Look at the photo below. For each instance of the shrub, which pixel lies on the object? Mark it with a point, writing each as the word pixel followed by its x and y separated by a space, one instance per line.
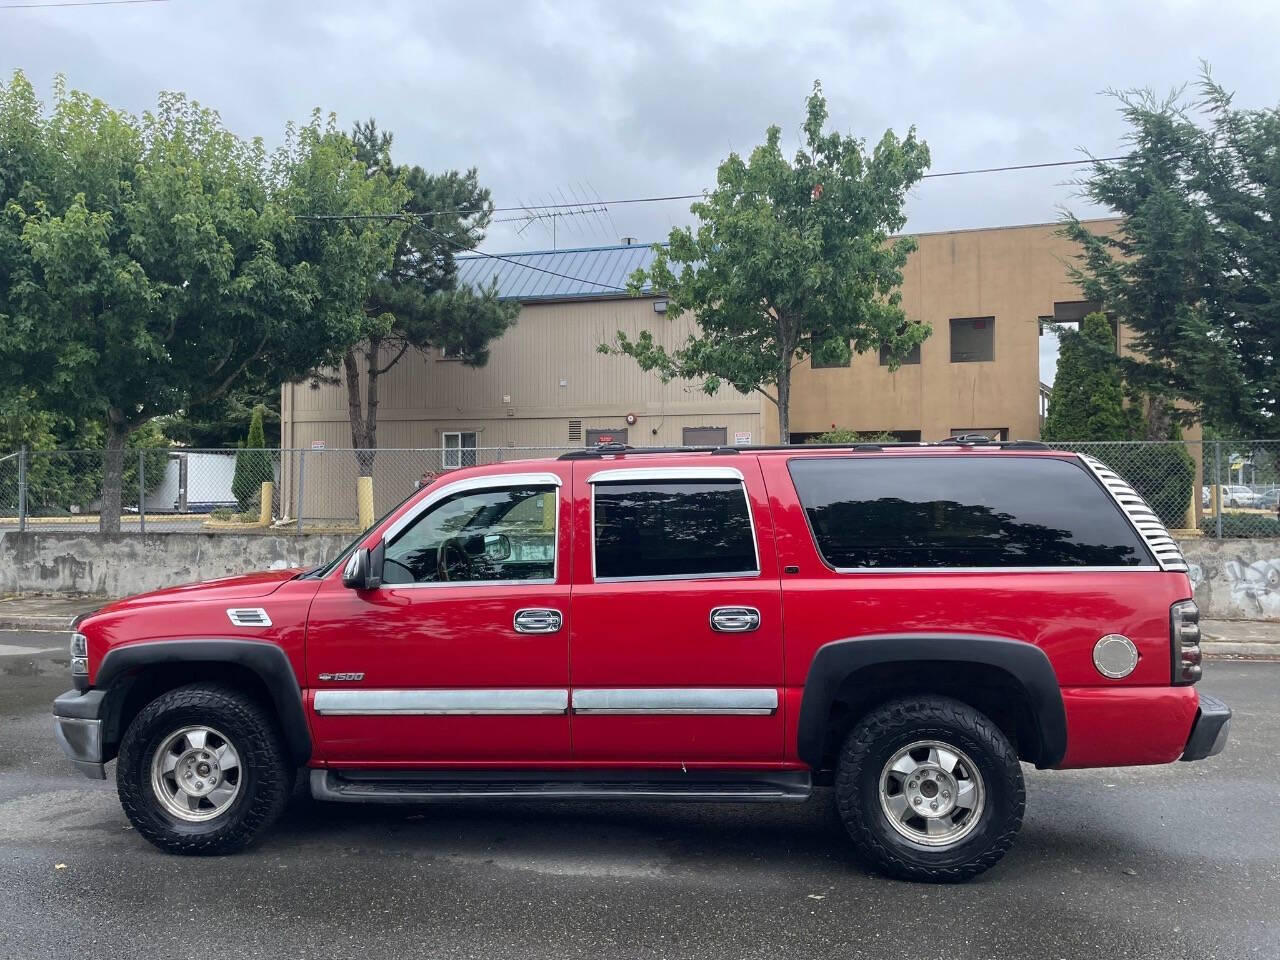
pixel 1242 525
pixel 253 465
pixel 843 435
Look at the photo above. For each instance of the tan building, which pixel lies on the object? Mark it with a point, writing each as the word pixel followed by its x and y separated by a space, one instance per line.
pixel 983 292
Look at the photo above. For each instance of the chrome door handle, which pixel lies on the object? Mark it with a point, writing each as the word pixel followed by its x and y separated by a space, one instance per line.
pixel 538 620
pixel 735 619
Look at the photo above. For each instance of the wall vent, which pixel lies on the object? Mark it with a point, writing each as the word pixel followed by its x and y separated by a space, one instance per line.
pixel 575 431
pixel 1143 518
pixel 249 617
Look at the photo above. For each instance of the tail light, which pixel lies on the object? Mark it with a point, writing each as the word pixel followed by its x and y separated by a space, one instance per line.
pixel 1184 632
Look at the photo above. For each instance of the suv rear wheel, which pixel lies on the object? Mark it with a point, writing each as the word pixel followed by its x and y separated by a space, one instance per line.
pixel 929 789
pixel 202 770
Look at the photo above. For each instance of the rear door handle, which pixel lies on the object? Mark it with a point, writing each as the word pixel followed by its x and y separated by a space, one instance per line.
pixel 735 619
pixel 538 620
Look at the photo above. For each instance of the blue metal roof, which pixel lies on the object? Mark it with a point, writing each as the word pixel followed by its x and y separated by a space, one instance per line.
pixel 578 273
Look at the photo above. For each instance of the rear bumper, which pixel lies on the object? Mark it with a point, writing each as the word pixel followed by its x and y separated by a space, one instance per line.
pixel 77 725
pixel 1210 730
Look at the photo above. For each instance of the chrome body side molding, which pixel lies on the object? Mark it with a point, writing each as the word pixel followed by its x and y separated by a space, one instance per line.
pixel 730 701
pixel 484 702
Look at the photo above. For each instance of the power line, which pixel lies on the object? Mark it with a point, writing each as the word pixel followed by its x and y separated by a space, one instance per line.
pixel 74 3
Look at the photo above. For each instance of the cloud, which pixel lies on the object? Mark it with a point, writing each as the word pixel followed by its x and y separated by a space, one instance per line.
pixel 546 98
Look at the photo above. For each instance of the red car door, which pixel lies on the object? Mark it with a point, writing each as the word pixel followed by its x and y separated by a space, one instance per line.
pixel 676 637
pixel 460 657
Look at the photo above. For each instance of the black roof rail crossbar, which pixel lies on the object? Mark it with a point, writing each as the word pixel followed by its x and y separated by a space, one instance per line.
pixel 622 449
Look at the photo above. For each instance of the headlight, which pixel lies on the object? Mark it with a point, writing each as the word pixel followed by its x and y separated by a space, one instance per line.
pixel 79 655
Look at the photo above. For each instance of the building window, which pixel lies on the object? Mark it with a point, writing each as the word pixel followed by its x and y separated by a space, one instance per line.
pixel 459 449
pixel 672 528
pixel 599 435
pixel 969 511
pixel 704 436
pixel 913 356
pixel 973 339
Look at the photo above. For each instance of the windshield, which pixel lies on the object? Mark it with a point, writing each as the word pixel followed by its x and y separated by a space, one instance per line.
pixel 319 573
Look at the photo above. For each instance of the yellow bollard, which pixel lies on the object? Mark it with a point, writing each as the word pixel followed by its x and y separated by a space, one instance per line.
pixel 264 503
pixel 364 501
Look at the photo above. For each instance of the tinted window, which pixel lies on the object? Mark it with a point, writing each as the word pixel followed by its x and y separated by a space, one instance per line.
pixel 669 528
pixel 962 512
pixel 503 534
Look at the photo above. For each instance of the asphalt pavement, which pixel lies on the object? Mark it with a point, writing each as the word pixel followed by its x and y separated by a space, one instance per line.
pixel 1180 861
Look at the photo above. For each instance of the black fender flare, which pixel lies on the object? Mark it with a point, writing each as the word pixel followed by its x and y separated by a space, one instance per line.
pixel 265 659
pixel 1026 663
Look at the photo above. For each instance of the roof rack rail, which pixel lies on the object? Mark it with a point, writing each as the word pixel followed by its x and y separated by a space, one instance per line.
pixel 621 449
pixel 965 440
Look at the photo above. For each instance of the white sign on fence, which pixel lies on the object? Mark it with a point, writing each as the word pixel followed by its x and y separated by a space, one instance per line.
pixel 741 438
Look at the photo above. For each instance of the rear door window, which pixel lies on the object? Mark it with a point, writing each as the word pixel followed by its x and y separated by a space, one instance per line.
pixel 672 529
pixel 956 511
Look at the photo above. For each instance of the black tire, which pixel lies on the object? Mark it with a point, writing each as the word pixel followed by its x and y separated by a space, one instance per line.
pixel 263 776
pixel 878 738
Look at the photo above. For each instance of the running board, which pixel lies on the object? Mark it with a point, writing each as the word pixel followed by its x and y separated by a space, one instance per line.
pixel 398 786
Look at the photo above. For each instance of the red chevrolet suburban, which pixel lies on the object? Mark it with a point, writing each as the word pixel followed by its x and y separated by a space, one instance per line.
pixel 906 623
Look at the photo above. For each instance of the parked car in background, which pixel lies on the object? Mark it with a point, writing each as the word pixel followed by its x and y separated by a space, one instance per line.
pixel 1238 495
pixel 905 623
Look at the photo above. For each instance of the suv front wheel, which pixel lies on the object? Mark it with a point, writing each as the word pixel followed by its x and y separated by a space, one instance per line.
pixel 202 770
pixel 929 789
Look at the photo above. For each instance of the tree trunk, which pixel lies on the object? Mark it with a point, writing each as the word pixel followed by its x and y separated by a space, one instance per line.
pixel 361 440
pixel 112 473
pixel 784 404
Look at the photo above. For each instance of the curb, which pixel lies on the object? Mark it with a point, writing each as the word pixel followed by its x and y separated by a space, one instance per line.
pixel 1233 648
pixel 37 624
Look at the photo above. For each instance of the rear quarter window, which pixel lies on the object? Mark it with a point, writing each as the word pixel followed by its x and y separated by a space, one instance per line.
pixel 958 511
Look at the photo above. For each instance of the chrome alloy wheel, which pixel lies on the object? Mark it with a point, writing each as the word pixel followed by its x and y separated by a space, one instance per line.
pixel 932 793
pixel 196 773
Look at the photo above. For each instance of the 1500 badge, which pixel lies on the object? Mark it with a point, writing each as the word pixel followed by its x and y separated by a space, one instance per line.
pixel 342 676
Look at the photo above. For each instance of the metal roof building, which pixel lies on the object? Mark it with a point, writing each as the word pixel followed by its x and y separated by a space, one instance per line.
pixel 574 274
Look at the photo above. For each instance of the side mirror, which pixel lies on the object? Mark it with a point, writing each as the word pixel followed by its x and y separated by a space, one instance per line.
pixel 364 569
pixel 497 546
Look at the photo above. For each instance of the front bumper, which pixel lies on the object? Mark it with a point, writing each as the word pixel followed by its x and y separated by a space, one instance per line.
pixel 77 724
pixel 1210 730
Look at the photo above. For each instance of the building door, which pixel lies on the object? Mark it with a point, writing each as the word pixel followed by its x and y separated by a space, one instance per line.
pixel 676 640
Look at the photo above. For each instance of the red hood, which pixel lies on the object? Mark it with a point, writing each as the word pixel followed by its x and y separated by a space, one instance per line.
pixel 244 587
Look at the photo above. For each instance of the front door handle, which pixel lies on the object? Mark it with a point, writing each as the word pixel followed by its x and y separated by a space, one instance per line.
pixel 538 620
pixel 735 619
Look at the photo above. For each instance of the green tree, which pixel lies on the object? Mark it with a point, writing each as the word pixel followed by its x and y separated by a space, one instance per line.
pixel 1088 390
pixel 844 435
pixel 417 303
pixel 253 464
pixel 223 421
pixel 1194 268
pixel 151 263
pixel 790 259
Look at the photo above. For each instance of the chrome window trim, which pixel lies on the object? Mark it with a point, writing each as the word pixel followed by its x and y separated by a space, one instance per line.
pixel 471 485
pixel 652 701
pixel 1143 568
pixel 441 702
pixel 635 474
pixel 1149 527
pixel 660 474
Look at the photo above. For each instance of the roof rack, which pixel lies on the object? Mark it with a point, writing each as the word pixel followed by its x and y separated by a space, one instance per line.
pixel 614 449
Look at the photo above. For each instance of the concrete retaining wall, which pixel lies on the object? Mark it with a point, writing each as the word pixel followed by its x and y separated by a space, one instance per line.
pixel 1235 579
pixel 117 566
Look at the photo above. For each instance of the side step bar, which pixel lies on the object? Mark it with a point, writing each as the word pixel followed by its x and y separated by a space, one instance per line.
pixel 398 786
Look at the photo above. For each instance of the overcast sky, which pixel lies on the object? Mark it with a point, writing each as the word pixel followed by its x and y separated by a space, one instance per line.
pixel 638 99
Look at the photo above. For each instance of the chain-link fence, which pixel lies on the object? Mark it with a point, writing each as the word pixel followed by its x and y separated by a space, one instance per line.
pixel 170 490
pixel 1224 488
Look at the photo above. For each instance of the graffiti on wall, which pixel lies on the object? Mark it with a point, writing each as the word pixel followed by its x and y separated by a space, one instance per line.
pixel 1238 587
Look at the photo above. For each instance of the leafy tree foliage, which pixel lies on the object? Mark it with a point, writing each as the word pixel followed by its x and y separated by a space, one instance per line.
pixel 417 303
pixel 844 435
pixel 223 421
pixel 1195 268
pixel 790 259
pixel 147 264
pixel 1088 390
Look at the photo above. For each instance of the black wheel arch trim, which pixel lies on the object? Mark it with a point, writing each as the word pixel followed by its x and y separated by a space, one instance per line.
pixel 838 660
pixel 265 659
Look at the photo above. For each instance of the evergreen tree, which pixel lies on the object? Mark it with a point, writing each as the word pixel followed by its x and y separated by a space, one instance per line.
pixel 253 464
pixel 1088 391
